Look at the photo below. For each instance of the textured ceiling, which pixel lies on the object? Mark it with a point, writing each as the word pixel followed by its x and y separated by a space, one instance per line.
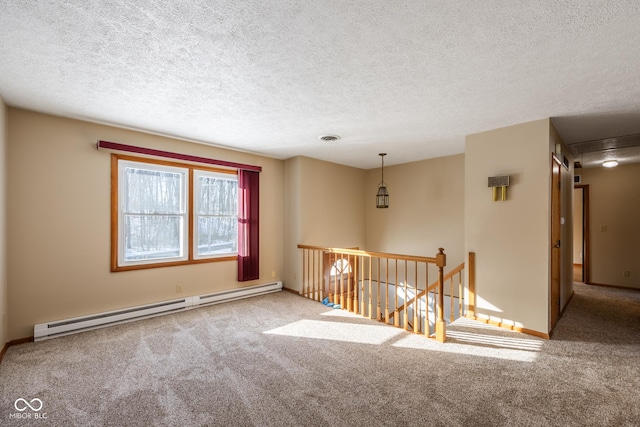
pixel 410 78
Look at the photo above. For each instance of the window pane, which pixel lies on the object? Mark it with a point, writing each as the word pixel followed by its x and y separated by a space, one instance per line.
pixel 217 196
pixel 152 237
pixel 153 191
pixel 217 235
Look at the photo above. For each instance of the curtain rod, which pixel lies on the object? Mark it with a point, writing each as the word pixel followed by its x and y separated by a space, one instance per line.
pixel 160 153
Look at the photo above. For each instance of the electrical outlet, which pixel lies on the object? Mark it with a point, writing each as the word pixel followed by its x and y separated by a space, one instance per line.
pixel 178 289
pixel 626 273
pixel 603 228
pixel 273 274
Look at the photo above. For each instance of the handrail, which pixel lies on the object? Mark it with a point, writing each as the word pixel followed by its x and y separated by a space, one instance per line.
pixel 345 278
pixel 370 254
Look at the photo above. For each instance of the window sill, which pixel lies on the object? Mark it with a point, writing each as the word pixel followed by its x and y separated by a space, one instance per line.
pixel 116 268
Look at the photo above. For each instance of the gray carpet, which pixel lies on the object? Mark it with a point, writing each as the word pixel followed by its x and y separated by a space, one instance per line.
pixel 281 359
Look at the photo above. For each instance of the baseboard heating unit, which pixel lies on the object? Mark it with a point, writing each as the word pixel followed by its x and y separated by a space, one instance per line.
pixel 74 325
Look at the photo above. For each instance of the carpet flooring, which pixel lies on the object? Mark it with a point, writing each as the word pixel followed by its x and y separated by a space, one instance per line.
pixel 282 360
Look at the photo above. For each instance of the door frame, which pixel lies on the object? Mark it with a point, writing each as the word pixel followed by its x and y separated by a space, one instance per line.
pixel 586 265
pixel 555 241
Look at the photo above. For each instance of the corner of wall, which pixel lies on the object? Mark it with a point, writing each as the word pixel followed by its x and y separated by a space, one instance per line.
pixel 292 257
pixel 323 206
pixel 4 327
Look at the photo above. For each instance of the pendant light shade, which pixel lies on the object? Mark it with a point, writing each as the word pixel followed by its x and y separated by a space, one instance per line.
pixel 382 197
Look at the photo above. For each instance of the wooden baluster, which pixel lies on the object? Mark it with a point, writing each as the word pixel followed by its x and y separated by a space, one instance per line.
pixel 415 302
pixel 305 273
pixel 304 253
pixel 406 300
pixel 354 304
pixel 317 278
pixel 319 274
pixel 441 262
pixel 348 284
pixel 336 284
pixel 396 321
pixel 362 301
pixel 341 295
pixel 310 274
pixel 332 283
pixel 313 277
pixel 322 275
pixel 378 313
pixel 349 278
pixel 451 318
pixel 314 274
pixel 386 296
pixel 370 293
pixel 460 294
pixel 426 301
pixel 357 265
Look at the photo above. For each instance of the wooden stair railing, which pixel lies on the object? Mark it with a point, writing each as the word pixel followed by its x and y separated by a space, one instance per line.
pixel 434 288
pixel 346 277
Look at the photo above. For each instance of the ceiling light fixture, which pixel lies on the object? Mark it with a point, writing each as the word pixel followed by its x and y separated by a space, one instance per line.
pixel 610 164
pixel 382 197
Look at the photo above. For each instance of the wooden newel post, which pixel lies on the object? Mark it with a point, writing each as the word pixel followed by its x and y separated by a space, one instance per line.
pixel 441 262
pixel 471 311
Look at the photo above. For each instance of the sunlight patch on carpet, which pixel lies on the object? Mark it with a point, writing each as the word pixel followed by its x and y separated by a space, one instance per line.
pixel 337 331
pixel 480 345
pixel 341 313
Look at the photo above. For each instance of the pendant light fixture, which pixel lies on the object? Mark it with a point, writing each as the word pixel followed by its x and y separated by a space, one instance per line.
pixel 382 198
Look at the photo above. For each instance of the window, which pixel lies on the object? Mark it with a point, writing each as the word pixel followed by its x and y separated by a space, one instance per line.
pixel 166 213
pixel 153 212
pixel 216 214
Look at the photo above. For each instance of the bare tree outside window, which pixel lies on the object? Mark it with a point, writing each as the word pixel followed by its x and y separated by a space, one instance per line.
pixel 216 213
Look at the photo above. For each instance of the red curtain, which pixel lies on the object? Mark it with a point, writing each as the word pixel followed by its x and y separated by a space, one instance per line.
pixel 248 231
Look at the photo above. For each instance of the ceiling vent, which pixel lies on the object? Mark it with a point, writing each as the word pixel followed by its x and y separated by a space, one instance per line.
pixel 329 138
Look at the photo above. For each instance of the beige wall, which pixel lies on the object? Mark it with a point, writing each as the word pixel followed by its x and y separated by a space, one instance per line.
pixel 334 205
pixel 4 337
pixel 510 238
pixel 324 206
pixel 577 225
pixel 614 203
pixel 426 209
pixel 59 224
